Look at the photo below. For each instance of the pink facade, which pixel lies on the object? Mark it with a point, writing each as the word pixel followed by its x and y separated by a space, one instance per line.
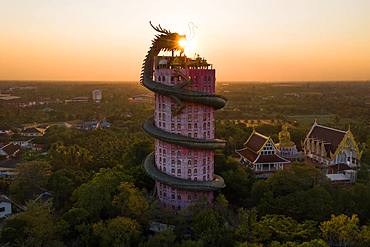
pixel 196 121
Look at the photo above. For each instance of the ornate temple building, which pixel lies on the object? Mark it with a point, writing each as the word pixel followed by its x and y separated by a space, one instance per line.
pixel 261 155
pixel 286 147
pixel 334 151
pixel 183 124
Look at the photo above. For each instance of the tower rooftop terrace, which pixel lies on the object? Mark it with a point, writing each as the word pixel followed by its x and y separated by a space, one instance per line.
pixel 181 62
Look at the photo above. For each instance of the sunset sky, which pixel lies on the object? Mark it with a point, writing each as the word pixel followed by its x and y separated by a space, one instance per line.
pixel 261 40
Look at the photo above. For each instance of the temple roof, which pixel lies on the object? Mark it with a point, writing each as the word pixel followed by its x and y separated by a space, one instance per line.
pixel 256 141
pixel 329 136
pixel 271 158
pixel 248 154
pixel 32 130
pixel 10 148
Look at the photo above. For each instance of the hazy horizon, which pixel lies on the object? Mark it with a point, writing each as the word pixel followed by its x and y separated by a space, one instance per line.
pixel 218 82
pixel 258 41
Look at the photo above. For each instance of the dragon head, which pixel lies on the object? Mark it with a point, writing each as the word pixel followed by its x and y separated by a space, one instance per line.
pixel 167 40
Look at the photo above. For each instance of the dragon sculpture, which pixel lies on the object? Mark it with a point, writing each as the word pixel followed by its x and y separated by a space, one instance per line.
pixel 168 41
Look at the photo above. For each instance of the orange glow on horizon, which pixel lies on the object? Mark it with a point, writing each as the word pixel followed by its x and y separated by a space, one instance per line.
pixel 245 40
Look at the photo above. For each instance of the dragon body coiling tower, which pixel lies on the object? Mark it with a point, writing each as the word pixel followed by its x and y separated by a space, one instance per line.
pixel 183 125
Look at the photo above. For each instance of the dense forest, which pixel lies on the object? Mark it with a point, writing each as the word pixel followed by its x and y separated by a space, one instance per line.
pixel 91 189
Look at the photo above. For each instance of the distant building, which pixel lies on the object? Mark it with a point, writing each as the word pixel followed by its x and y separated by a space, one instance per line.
pixel 9 151
pixel 261 155
pixel 5 207
pixel 93 125
pixel 105 124
pixel 33 131
pixel 8 172
pixel 149 98
pixel 88 125
pixel 160 227
pixel 80 99
pixel 287 148
pixel 8 97
pixel 334 151
pixel 4 132
pixel 97 95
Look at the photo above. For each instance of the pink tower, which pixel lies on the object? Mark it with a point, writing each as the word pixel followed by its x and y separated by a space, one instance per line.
pixel 195 166
pixel 183 124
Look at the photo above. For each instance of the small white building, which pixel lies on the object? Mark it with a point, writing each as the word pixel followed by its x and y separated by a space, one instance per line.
pixel 97 95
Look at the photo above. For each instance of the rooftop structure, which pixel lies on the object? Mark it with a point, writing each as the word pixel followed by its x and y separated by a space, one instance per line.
pixel 183 124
